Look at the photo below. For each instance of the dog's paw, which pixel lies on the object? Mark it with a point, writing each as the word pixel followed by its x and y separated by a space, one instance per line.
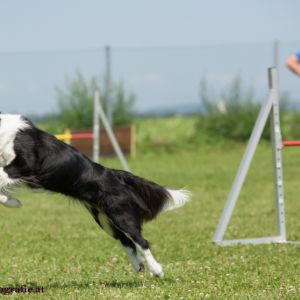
pixel 12 203
pixel 157 271
pixel 138 266
pixel 141 268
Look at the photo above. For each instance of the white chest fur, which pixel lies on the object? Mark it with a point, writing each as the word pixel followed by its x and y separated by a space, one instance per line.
pixel 10 126
pixel 7 154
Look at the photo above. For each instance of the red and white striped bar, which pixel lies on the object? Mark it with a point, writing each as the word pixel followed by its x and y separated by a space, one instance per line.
pixel 291 143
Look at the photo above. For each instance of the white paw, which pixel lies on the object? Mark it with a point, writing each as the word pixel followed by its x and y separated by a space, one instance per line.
pixel 156 270
pixel 12 203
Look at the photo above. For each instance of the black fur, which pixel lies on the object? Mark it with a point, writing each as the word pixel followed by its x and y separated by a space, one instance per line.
pixel 42 161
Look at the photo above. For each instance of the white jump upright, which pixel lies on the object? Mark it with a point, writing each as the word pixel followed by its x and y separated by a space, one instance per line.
pixel 99 113
pixel 96 129
pixel 269 108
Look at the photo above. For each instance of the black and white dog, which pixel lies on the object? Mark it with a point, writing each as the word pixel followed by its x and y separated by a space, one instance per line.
pixel 118 201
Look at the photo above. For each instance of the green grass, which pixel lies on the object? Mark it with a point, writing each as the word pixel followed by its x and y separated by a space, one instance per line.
pixel 53 243
pixel 166 134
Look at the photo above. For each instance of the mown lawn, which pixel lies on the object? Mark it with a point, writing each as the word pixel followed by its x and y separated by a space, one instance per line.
pixel 53 243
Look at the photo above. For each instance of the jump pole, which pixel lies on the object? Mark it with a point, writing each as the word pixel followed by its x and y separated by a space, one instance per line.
pixel 96 129
pixel 110 133
pixel 270 107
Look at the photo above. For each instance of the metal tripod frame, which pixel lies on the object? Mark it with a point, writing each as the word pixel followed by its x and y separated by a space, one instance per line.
pixel 269 108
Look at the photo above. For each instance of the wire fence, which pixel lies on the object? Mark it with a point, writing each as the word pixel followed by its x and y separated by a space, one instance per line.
pixel 163 79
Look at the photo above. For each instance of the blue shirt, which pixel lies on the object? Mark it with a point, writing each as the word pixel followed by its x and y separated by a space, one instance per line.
pixel 298 56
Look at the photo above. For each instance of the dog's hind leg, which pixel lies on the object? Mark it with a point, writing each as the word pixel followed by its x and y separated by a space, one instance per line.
pixel 132 253
pixel 129 227
pixel 104 222
pixel 142 245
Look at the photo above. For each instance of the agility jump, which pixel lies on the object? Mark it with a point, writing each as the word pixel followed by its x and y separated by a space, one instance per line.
pixel 269 108
pixel 98 115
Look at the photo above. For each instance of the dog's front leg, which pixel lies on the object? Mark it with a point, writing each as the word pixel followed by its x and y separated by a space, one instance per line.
pixel 10 202
pixel 5 182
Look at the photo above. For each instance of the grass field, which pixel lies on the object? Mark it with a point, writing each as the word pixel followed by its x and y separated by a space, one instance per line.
pixel 53 243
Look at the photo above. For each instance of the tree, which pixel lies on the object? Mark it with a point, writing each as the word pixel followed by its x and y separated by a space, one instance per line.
pixel 237 117
pixel 123 105
pixel 75 101
pixel 235 121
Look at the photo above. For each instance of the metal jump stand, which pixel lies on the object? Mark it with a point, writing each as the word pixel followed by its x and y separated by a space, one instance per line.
pixel 99 114
pixel 270 107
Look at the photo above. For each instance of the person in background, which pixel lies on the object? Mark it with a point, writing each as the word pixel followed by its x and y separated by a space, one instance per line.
pixel 293 63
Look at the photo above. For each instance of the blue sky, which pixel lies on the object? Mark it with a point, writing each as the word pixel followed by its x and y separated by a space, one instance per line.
pixel 60 24
pixel 139 31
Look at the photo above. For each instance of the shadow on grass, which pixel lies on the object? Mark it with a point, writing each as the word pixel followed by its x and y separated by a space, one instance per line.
pixel 85 285
pixel 117 284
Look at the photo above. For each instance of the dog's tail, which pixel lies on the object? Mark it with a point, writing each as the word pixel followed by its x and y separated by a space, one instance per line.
pixel 178 198
pixel 154 198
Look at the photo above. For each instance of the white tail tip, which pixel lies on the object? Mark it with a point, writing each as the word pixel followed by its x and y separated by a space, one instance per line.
pixel 178 199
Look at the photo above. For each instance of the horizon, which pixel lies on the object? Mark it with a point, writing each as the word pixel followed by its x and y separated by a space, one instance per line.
pixel 160 50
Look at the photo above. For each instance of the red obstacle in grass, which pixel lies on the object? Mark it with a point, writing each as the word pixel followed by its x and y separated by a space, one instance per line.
pixel 67 136
pixel 291 143
pixel 83 135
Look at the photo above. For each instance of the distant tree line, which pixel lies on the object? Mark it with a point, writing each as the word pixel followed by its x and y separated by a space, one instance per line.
pixel 227 115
